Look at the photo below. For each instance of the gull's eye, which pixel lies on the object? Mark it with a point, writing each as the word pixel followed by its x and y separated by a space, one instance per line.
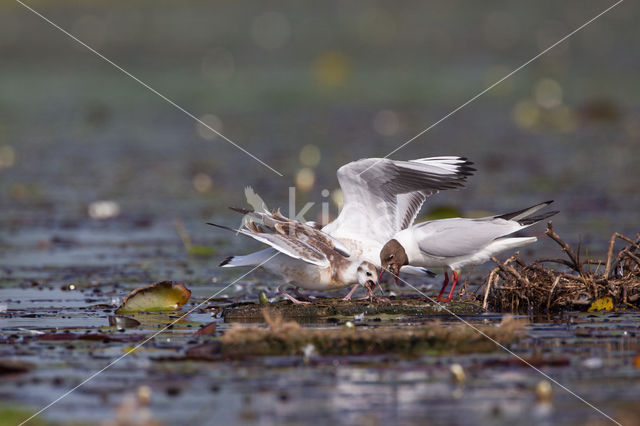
pixel 390 256
pixel 368 274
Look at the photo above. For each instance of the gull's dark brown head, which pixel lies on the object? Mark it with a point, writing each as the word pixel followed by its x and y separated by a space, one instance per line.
pixel 392 257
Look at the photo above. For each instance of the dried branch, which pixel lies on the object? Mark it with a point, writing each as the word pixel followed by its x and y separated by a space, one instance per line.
pixel 560 261
pixel 493 276
pixel 504 267
pixel 565 247
pixel 553 287
pixel 607 270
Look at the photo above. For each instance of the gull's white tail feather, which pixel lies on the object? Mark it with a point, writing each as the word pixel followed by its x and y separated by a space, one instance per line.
pixel 252 259
pixel 508 243
pixel 497 246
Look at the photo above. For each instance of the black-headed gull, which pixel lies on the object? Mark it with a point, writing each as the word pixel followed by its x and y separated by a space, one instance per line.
pixel 381 197
pixel 457 242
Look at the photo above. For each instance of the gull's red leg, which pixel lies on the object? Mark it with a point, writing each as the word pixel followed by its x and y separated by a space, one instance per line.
pixel 453 286
pixel 444 285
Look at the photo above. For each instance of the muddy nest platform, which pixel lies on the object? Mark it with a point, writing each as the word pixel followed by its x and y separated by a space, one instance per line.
pixel 336 307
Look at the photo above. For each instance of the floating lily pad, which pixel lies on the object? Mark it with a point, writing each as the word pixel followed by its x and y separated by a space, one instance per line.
pixel 162 296
pixel 122 323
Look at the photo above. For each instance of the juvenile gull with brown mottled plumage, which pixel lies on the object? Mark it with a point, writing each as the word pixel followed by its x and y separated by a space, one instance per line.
pixel 308 257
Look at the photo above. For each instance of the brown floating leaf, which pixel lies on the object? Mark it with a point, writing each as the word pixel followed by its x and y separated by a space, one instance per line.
pixel 10 366
pixel 205 351
pixel 207 329
pixel 162 296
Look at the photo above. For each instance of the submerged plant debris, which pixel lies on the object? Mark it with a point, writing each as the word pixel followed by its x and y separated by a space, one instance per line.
pixel 283 337
pixel 514 286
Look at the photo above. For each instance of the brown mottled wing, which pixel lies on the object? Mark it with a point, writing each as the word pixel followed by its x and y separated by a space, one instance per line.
pixel 285 244
pixel 277 222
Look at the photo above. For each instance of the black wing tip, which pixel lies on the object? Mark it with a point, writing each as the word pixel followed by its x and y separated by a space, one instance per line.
pixel 241 210
pixel 465 168
pixel 429 273
pixel 535 208
pixel 221 226
pixel 535 219
pixel 226 260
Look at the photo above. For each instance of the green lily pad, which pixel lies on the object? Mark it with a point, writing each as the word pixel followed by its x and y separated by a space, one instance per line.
pixel 162 296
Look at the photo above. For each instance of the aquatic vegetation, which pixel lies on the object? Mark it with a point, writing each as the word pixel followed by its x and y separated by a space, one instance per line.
pixel 514 286
pixel 284 337
pixel 162 296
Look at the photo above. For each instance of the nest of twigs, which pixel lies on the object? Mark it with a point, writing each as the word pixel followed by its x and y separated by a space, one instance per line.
pixel 570 284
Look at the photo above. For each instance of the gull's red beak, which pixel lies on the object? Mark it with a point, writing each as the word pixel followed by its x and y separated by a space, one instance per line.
pixel 382 271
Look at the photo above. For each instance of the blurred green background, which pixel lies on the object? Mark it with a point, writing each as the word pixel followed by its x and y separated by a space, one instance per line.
pixel 308 86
